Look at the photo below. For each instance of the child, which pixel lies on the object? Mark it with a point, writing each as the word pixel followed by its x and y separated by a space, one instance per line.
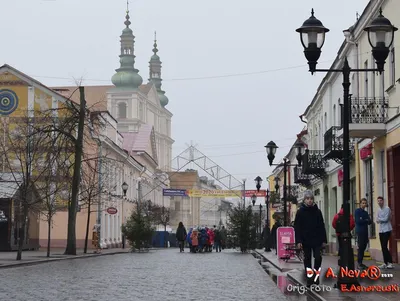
pixel 195 241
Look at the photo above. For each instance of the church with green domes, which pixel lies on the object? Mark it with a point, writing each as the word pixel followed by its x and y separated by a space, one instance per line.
pixel 133 104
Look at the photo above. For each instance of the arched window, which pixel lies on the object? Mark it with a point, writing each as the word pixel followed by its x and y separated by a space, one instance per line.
pixel 122 110
pixel 325 122
pixel 334 116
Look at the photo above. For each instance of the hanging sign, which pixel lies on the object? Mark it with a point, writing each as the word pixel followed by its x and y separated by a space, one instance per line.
pixel 112 210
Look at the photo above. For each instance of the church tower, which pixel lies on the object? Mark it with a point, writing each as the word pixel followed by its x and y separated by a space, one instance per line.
pixel 127 77
pixel 155 73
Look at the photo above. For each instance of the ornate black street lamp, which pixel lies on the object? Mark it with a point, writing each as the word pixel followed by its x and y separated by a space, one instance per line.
pixel 277 180
pixel 258 181
pixel 380 36
pixel 125 188
pixel 271 150
pixel 253 199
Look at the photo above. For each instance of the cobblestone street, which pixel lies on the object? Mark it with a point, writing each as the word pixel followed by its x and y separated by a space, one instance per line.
pixel 157 275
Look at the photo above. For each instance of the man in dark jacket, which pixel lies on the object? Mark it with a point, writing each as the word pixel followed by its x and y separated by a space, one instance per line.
pixel 362 220
pixel 310 234
pixel 181 236
pixel 266 233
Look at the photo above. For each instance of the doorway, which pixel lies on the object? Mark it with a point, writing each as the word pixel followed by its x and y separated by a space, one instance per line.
pixel 393 159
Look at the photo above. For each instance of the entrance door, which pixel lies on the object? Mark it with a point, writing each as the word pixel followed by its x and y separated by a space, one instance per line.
pixel 4 224
pixel 393 159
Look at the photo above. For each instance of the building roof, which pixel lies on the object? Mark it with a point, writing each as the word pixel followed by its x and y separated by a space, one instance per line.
pixel 9 184
pixel 137 141
pixel 141 141
pixel 96 96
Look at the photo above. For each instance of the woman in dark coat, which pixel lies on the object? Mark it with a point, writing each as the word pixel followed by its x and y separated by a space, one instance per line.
pixel 181 236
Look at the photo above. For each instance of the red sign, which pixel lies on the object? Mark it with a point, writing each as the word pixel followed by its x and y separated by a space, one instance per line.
pixel 340 176
pixel 261 193
pixel 366 152
pixel 112 210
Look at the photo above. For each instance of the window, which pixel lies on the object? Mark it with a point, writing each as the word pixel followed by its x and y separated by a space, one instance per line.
pixel 325 122
pixel 382 172
pixel 122 110
pixel 353 86
pixel 392 67
pixel 141 111
pixel 334 115
pixel 369 190
pixel 177 206
pixel 366 79
pixel 372 77
pixel 321 137
pixel 382 84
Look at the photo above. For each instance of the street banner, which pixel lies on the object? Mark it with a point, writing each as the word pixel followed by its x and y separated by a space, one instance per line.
pixel 259 194
pixel 225 193
pixel 214 193
pixel 175 192
pixel 284 236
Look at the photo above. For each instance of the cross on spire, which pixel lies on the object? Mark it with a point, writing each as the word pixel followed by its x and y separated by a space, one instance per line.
pixel 127 6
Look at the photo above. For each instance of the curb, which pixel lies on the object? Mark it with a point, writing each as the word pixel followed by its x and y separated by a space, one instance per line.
pixel 276 266
pixel 293 279
pixel 71 257
pixel 310 292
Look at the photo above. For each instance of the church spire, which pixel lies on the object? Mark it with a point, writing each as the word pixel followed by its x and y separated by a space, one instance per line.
pixel 127 77
pixel 155 73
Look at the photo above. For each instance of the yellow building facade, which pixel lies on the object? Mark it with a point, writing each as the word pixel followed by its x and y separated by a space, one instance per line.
pixel 378 148
pixel 22 102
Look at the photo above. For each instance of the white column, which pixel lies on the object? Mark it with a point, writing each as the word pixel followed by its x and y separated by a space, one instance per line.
pixel 108 230
pixel 114 228
pixel 119 227
pixel 103 230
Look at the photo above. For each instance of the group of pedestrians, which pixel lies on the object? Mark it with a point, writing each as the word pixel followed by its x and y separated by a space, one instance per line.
pixel 310 233
pixel 201 239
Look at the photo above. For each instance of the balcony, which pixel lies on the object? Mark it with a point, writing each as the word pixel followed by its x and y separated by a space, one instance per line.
pixel 368 117
pixel 300 178
pixel 314 163
pixel 333 145
pixel 292 194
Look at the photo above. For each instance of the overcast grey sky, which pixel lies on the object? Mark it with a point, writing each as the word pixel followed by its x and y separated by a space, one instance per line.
pixel 230 118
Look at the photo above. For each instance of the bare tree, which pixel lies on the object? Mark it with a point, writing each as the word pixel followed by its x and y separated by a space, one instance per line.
pixel 92 185
pixel 75 123
pixel 160 215
pixel 26 157
pixel 55 186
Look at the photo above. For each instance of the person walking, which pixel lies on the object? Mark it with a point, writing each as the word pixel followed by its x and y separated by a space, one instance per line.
pixel 310 235
pixel 338 225
pixel 362 221
pixel 217 240
pixel 273 236
pixel 181 236
pixel 266 233
pixel 383 218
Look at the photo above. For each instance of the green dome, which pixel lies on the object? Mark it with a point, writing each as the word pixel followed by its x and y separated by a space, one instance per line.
pixel 155 57
pixel 127 30
pixel 127 79
pixel 163 99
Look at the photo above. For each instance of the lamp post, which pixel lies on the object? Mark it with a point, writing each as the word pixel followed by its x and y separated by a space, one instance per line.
pixel 258 181
pixel 380 36
pixel 271 150
pixel 125 188
pixel 244 193
pixel 267 206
